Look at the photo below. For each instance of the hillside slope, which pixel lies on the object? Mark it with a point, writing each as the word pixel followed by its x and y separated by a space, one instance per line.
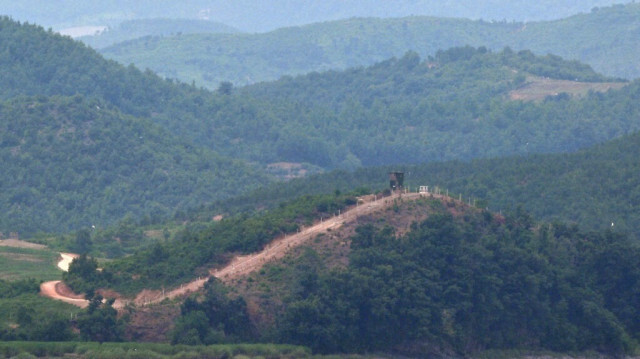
pixel 70 163
pixel 430 277
pixel 606 39
pixel 594 188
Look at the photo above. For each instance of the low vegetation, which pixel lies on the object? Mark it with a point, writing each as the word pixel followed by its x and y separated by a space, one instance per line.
pixel 24 263
pixel 149 350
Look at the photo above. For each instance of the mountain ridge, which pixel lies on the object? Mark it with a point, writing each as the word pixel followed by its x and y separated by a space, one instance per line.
pixel 604 38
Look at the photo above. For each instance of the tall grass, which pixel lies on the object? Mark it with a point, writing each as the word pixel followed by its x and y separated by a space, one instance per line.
pixel 23 263
pixel 151 351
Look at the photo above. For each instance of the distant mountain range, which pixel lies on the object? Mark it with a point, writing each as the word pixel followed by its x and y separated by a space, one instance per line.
pixel 133 29
pixel 260 15
pixel 606 39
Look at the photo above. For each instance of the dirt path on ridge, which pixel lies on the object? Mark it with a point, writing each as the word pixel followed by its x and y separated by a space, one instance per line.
pixel 241 265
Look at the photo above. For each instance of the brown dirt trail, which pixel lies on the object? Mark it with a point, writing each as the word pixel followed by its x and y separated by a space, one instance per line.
pixel 243 265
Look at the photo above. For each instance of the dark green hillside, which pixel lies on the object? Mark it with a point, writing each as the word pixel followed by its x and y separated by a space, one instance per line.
pixel 453 106
pixel 462 281
pixel 606 39
pixel 593 188
pixel 70 163
pixel 38 62
pixel 133 29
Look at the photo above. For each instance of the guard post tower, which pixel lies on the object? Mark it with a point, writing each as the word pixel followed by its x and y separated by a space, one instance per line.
pixel 396 180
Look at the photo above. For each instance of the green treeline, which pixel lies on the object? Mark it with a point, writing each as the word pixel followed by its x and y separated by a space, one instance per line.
pixel 453 106
pixel 95 350
pixel 24 315
pixel 214 319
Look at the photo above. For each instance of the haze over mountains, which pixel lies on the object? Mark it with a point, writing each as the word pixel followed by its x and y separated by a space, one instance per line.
pixel 606 39
pixel 258 16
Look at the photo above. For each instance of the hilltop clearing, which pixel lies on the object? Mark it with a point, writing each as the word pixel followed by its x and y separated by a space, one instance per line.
pixel 539 88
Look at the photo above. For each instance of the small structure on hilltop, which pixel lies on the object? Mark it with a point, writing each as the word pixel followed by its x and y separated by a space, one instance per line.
pixel 396 180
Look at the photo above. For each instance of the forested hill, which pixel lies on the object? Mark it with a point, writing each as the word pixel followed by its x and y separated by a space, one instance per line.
pixel 454 106
pixel 425 278
pixel 606 39
pixel 71 162
pixel 596 188
pixel 407 110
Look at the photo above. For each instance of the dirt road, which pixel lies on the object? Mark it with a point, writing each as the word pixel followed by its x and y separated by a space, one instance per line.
pixel 52 290
pixel 55 289
pixel 243 265
pixel 67 258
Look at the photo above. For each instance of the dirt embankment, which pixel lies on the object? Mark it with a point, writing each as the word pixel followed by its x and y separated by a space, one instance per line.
pixel 58 290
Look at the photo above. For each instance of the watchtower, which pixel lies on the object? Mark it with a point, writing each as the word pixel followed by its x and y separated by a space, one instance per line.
pixel 396 180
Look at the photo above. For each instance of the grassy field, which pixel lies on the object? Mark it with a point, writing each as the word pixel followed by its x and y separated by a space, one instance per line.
pixel 22 263
pixel 149 350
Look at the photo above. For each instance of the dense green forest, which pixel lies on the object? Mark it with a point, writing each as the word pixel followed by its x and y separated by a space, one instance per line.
pixel 462 281
pixel 594 187
pixel 468 283
pixel 24 315
pixel 72 162
pixel 454 105
pixel 604 39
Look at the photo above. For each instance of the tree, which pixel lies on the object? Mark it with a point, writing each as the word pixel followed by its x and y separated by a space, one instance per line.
pixel 100 322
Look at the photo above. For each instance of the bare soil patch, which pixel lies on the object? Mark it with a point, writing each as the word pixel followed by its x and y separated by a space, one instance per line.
pixel 21 257
pixel 20 244
pixel 539 88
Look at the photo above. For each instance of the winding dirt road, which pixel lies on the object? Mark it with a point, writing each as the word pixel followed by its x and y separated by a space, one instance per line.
pixel 241 266
pixel 55 289
pixel 52 290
